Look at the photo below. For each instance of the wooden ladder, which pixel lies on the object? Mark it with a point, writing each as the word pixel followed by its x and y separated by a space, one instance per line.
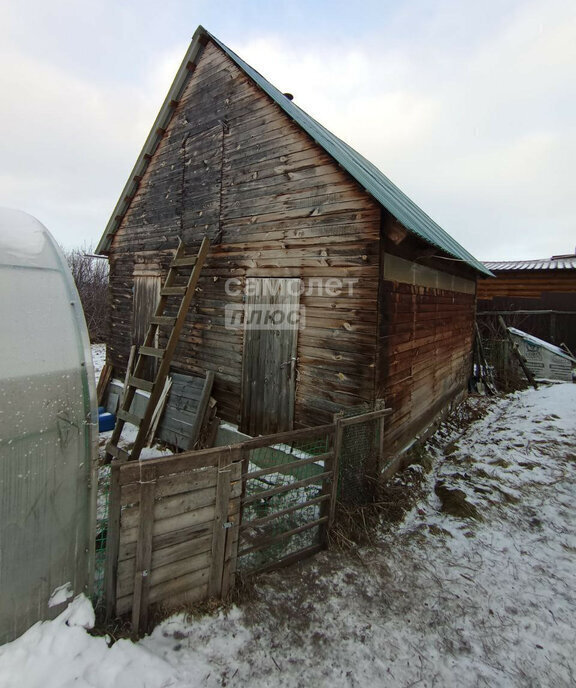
pixel 149 349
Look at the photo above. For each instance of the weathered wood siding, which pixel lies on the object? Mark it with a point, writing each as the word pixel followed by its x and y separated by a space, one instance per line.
pixel 425 335
pixel 167 545
pixel 233 166
pixel 547 297
pixel 527 284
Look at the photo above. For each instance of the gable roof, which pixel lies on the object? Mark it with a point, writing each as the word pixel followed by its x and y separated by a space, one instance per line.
pixel 363 171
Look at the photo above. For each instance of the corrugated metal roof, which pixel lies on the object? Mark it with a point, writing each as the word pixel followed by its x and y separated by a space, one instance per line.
pixel 559 263
pixel 363 171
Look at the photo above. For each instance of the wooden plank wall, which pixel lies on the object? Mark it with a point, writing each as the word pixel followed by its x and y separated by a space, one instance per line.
pixel 552 292
pixel 169 544
pixel 527 284
pixel 425 345
pixel 233 166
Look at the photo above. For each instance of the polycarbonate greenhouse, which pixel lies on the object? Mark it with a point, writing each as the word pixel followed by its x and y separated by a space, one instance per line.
pixel 48 436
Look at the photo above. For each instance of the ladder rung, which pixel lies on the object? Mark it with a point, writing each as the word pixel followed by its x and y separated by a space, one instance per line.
pixel 173 291
pixel 129 417
pixel 151 351
pixel 185 261
pixel 139 383
pixel 162 320
pixel 116 452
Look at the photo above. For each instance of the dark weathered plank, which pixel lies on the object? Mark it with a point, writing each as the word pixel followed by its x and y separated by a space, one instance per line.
pixel 288 560
pixel 161 573
pixel 257 522
pixel 171 465
pixel 286 467
pixel 112 541
pixel 165 526
pixel 189 584
pixel 219 532
pixel 141 584
pixel 191 534
pixel 264 494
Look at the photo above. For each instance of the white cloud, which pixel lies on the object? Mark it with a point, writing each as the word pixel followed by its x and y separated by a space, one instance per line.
pixel 485 145
pixel 474 123
pixel 69 143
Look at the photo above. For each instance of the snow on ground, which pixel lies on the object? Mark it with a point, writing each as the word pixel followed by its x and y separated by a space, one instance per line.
pixel 98 358
pixel 441 600
pixel 61 654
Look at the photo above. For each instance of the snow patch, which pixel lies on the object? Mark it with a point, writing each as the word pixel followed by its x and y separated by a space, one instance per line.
pixel 60 595
pixel 98 359
pixel 61 654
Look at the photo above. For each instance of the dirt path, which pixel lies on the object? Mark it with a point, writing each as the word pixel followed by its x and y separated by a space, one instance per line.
pixel 441 600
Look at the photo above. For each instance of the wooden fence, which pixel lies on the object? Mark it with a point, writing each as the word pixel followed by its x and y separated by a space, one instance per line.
pixel 172 532
pixel 181 526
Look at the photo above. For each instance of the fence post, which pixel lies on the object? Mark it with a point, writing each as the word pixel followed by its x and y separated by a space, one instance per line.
pixel 338 435
pixel 143 562
pixel 112 541
pixel 232 536
pixel 219 524
pixel 381 429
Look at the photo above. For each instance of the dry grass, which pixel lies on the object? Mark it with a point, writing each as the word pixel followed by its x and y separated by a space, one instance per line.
pixel 391 499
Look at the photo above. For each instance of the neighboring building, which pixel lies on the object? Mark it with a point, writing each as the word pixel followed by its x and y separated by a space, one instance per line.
pixel 297 218
pixel 537 296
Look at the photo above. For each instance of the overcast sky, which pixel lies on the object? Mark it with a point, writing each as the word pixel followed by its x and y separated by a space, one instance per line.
pixel 468 106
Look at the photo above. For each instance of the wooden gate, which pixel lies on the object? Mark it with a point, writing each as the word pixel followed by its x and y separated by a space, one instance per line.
pixel 288 497
pixel 271 322
pixel 172 532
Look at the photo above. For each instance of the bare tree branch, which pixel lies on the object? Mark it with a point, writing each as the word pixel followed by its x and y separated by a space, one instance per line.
pixel 91 277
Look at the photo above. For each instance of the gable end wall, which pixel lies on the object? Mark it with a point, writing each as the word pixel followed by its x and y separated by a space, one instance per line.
pixel 234 167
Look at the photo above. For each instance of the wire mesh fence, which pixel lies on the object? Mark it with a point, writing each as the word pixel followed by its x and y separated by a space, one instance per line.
pixel 289 490
pixel 358 456
pixel 102 509
pixel 505 369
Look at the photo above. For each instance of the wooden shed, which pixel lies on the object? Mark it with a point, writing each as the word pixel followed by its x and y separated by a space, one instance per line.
pixel 378 302
pixel 538 296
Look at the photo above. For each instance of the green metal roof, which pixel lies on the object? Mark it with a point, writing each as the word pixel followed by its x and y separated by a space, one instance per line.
pixel 363 171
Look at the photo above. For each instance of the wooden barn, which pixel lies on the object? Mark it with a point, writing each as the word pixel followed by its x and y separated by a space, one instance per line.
pixel 537 296
pixel 301 223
